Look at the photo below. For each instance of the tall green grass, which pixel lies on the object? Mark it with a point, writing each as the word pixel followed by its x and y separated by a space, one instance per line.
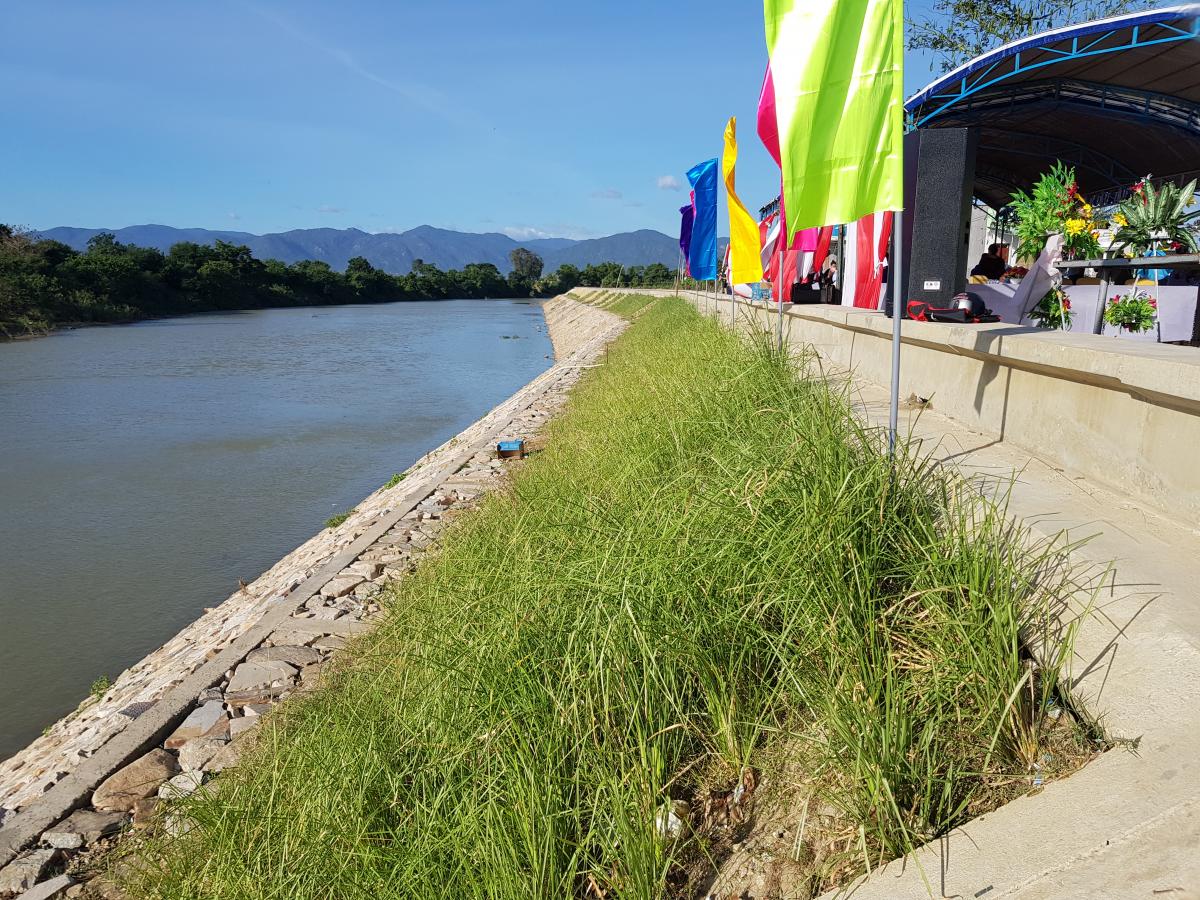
pixel 630 306
pixel 711 561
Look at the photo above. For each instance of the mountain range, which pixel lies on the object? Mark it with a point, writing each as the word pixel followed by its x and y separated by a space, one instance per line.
pixel 395 253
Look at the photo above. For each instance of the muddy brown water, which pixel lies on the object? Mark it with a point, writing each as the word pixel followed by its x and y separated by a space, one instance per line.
pixel 145 468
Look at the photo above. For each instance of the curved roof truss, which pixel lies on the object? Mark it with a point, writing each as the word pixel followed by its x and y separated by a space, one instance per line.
pixel 1114 97
pixel 1034 55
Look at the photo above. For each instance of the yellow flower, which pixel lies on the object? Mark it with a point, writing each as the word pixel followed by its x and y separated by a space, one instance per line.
pixel 1120 220
pixel 1087 210
pixel 1075 226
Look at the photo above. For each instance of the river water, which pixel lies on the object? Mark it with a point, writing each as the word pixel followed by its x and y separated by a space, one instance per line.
pixel 145 468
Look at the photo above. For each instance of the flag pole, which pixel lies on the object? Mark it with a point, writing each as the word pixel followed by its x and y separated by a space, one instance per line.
pixel 729 281
pixel 781 314
pixel 899 308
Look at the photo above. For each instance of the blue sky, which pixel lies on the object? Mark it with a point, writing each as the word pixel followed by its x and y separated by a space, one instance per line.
pixel 531 117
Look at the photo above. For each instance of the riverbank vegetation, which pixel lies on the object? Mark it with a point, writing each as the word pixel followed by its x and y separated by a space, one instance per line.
pixel 711 566
pixel 44 283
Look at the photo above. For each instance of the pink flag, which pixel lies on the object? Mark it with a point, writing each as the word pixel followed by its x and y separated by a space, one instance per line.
pixel 768 126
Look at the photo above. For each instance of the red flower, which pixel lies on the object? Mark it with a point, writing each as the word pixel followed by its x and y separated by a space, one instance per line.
pixel 1066 303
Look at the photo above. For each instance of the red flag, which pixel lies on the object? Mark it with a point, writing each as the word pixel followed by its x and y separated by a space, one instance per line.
pixel 824 239
pixel 871 250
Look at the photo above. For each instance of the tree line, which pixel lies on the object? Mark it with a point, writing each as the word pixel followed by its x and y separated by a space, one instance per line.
pixel 44 283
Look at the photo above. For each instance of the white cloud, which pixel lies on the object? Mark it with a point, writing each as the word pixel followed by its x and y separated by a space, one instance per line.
pixel 607 194
pixel 669 183
pixel 560 230
pixel 525 232
pixel 234 216
pixel 332 210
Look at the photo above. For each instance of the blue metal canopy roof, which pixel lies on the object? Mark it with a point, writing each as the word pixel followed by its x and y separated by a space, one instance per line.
pixel 1116 97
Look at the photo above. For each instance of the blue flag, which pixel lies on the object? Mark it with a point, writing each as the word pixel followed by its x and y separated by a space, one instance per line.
pixel 687 216
pixel 703 259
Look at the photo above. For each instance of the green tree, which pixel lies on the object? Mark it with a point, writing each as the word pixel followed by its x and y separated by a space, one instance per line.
pixel 45 282
pixel 368 282
pixel 109 273
pixel 482 280
pixel 526 270
pixel 956 31
pixel 559 282
pixel 428 282
pixel 316 282
pixel 607 274
pixel 658 275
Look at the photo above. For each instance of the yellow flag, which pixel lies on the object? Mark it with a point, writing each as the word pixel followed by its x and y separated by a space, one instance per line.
pixel 745 260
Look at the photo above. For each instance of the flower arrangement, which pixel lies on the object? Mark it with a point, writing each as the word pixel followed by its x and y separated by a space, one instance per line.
pixel 1136 311
pixel 1012 272
pixel 1053 310
pixel 1056 206
pixel 1153 216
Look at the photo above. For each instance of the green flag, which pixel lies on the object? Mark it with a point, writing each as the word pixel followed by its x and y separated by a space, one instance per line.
pixel 839 99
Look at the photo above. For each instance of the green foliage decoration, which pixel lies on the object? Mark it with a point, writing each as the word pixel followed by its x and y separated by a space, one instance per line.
pixel 1135 311
pixel 1055 206
pixel 1156 217
pixel 1053 310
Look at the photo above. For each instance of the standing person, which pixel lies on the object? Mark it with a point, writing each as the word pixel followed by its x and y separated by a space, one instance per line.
pixel 992 264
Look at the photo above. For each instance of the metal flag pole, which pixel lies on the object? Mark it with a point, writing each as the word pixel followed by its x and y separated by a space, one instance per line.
pixel 898 310
pixel 780 321
pixel 732 292
pixel 782 268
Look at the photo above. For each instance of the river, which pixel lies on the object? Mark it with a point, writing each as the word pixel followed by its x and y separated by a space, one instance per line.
pixel 145 468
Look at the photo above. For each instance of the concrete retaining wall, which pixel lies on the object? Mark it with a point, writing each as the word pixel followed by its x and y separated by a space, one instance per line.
pixel 1124 414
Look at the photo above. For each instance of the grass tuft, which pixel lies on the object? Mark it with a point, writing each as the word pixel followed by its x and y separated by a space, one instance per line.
pixel 335 520
pixel 710 561
pixel 100 686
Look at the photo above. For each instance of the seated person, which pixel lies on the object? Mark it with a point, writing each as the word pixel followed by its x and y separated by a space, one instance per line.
pixel 993 263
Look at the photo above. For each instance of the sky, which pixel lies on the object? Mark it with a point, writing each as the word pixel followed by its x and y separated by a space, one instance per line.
pixel 536 118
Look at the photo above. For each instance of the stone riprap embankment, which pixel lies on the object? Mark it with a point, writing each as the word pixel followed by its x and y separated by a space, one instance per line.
pixel 175 718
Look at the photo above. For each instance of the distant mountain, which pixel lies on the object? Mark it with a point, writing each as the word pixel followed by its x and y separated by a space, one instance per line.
pixel 395 253
pixel 633 248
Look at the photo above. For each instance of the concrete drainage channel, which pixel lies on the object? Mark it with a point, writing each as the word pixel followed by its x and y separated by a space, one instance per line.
pixel 169 746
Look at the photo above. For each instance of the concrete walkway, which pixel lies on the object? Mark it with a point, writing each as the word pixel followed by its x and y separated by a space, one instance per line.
pixel 1127 825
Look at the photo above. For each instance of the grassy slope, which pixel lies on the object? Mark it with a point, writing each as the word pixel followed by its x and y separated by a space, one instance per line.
pixel 709 560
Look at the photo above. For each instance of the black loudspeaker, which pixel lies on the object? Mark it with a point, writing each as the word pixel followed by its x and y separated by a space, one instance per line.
pixel 939 177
